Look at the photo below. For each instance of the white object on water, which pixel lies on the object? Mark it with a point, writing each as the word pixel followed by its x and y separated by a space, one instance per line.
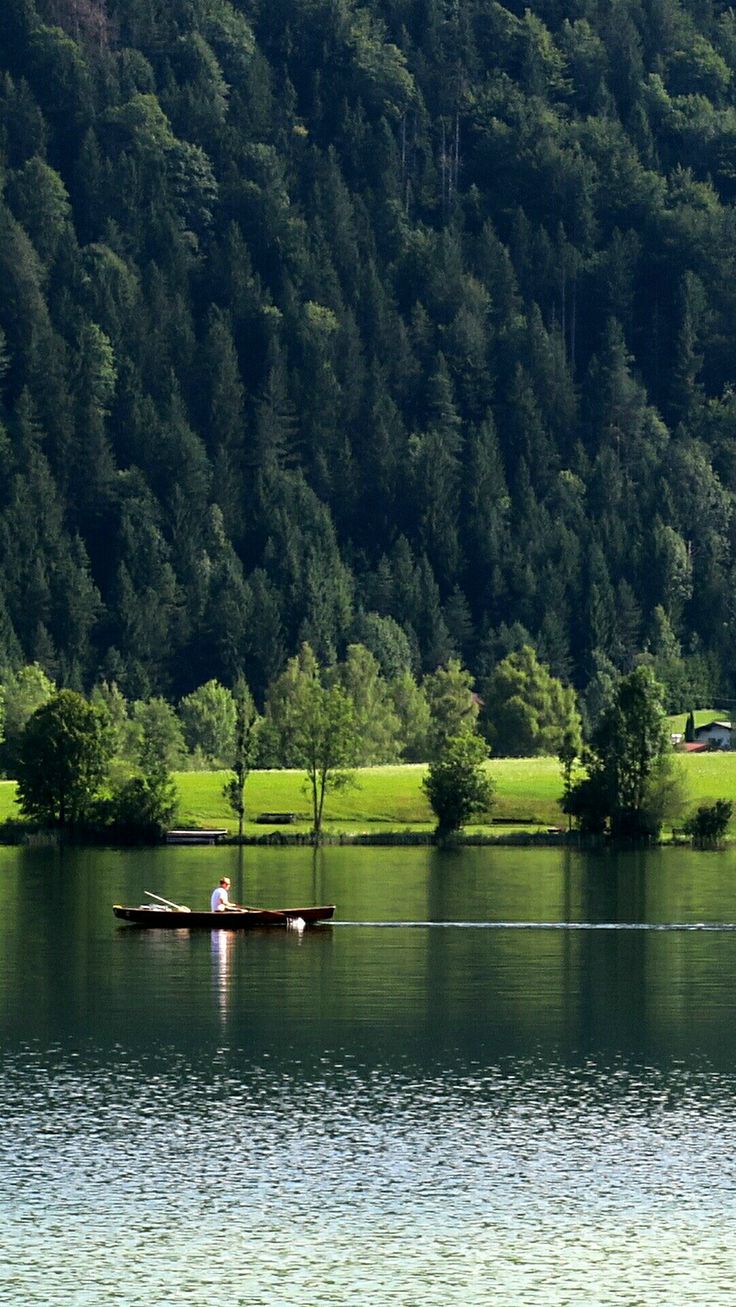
pixel 295 923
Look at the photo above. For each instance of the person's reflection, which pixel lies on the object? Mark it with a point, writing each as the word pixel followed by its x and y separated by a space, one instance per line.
pixel 222 943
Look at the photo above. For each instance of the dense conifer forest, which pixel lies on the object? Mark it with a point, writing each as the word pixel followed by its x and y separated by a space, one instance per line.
pixel 402 322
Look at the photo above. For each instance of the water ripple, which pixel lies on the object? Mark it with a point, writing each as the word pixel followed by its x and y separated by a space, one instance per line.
pixel 546 925
pixel 216 1181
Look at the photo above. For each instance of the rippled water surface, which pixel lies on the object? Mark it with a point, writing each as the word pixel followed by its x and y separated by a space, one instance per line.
pixel 532 1104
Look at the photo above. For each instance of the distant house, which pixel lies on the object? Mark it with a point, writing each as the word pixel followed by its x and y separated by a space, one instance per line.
pixel 677 737
pixel 718 733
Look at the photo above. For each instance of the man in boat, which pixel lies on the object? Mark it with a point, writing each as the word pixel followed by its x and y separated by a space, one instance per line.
pixel 220 901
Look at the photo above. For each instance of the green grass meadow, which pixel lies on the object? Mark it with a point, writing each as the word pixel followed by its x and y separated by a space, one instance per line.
pixel 527 793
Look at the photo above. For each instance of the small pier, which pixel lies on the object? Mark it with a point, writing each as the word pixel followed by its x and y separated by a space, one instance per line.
pixel 195 836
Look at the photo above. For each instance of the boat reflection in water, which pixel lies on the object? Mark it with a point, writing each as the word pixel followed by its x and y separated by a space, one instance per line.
pixel 221 947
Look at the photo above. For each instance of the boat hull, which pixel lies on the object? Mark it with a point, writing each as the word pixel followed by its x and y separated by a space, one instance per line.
pixel 242 919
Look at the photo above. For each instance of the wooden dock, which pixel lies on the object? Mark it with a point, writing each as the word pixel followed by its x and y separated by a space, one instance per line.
pixel 195 836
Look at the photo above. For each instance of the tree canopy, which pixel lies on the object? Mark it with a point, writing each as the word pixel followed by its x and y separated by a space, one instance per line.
pixel 62 759
pixel 386 323
pixel 317 725
pixel 457 784
pixel 630 774
pixel 528 711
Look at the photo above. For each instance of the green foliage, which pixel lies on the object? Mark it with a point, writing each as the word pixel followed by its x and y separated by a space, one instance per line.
pixel 159 741
pixel 412 709
pixel 62 759
pixel 453 706
pixel 709 823
pixel 40 201
pixel 243 750
pixel 528 711
pixel 144 804
pixel 568 750
pixel 377 727
pixel 208 717
pixel 142 808
pixel 386 640
pixel 321 310
pixel 316 723
pixel 456 783
pixel 631 783
pixel 110 701
pixel 23 692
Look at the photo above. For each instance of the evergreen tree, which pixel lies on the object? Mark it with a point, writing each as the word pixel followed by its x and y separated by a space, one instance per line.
pixel 309 307
pixel 376 725
pixel 528 711
pixel 628 762
pixel 453 705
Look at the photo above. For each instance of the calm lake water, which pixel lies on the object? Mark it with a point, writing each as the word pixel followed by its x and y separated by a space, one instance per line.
pixel 445 1111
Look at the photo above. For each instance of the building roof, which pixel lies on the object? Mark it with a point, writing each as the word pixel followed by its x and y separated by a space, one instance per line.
pixel 706 726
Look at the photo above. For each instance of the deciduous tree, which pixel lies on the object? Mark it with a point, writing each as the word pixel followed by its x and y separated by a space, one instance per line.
pixel 243 750
pixel 317 728
pixel 208 716
pixel 457 784
pixel 62 760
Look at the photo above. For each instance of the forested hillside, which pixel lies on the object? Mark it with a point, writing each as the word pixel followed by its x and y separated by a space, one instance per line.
pixel 317 313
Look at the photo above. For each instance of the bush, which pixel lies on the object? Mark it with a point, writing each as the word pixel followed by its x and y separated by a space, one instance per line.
pixel 142 808
pixel 456 783
pixel 709 824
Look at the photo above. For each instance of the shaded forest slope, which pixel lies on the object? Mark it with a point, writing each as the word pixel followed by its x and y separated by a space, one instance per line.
pixel 318 316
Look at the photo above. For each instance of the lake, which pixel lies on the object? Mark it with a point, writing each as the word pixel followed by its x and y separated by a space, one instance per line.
pixel 450 1110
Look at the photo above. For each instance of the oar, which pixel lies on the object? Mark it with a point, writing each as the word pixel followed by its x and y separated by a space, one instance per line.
pixel 272 912
pixel 179 907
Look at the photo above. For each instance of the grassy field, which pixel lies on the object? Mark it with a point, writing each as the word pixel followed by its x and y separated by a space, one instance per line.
pixel 528 791
pixel 391 798
pixel 384 798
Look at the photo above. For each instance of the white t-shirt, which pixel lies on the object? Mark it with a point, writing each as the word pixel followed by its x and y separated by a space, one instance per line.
pixel 219 900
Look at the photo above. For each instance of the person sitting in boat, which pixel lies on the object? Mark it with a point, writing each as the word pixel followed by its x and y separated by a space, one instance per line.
pixel 220 901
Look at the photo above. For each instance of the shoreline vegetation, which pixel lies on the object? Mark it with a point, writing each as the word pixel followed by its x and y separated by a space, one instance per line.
pixel 387 805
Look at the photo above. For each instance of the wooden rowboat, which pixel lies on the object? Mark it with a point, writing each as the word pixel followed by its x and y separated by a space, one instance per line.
pixel 233 919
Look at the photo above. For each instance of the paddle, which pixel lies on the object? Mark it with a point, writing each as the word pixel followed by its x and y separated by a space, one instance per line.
pixel 179 907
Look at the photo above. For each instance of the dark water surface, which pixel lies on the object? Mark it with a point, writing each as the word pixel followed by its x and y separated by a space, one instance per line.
pixel 370 1112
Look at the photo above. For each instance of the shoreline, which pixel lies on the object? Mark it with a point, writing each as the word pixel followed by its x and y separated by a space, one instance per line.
pixel 572 840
